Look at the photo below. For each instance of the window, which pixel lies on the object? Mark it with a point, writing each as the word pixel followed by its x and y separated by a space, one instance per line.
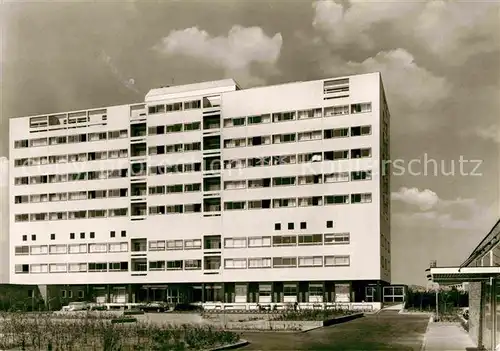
pixel 361 108
pixel 192 264
pixel 284 116
pixel 175 245
pixel 118 266
pixel 336 177
pixel 361 175
pixel 92 235
pixel 235 263
pixel 39 250
pixel 285 240
pixel 77 248
pixel 310 201
pixel 157 265
pixel 361 130
pixel 157 245
pixel 259 241
pixel 58 249
pixel 277 226
pixel 192 244
pixel 98 267
pixel 280 203
pixel 311 261
pixel 156 109
pixel 235 243
pixel 22 250
pixel 174 128
pixel 310 239
pixel 58 268
pixel 258 204
pixel 336 111
pixel 33 237
pixel 283 262
pixel 112 234
pixel 259 262
pixel 177 106
pixel 94 248
pixel 336 199
pixel 290 226
pixel 310 179
pixel 361 198
pixel 284 181
pixel 336 133
pixel 124 233
pixel 336 238
pixel 82 235
pixel 259 119
pixel 312 135
pixel 361 153
pixel 337 261
pixel 190 105
pixel 192 187
pixel 336 155
pixel 191 126
pixel 284 160
pixel 25 238
pixel 314 113
pixel 284 138
pixel 77 267
pixel 174 265
pixel 118 247
pixel 303 225
pixel 329 224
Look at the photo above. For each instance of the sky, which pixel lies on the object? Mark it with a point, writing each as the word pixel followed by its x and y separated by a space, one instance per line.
pixel 439 62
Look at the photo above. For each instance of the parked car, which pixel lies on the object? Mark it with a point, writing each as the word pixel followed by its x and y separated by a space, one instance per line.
pixel 155 306
pixel 76 306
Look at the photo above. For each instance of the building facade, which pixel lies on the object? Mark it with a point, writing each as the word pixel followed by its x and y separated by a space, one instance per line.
pixel 481 273
pixel 4 220
pixel 207 192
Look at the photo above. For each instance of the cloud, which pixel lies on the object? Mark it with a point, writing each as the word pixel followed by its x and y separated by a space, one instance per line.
pixel 427 210
pixel 456 31
pixel 410 88
pixel 451 31
pixel 425 199
pixel 488 133
pixel 235 53
pixel 347 25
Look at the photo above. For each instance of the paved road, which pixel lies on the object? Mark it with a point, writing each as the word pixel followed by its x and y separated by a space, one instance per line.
pixel 387 330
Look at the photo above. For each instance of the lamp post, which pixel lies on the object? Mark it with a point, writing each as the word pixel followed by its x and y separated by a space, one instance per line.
pixel 436 286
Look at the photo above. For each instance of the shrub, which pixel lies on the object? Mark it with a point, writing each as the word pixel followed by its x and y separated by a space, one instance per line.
pixel 309 315
pixel 42 332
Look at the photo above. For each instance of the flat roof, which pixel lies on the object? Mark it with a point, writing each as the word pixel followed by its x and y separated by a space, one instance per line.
pixel 176 89
pixel 455 275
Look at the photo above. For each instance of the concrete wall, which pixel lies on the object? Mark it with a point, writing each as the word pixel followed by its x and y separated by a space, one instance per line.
pixel 475 311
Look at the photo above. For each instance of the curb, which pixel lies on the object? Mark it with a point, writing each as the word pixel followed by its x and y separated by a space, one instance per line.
pixel 236 345
pixel 424 341
pixel 342 319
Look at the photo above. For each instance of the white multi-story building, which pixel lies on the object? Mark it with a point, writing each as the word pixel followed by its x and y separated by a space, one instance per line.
pixel 4 220
pixel 207 192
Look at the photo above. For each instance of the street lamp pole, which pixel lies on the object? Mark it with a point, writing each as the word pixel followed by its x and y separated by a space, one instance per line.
pixel 437 300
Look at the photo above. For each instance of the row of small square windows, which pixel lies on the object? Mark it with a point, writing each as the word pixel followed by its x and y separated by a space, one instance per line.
pixel 112 234
pixel 303 225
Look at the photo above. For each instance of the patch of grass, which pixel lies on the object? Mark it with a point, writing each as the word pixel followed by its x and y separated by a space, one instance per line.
pixel 41 332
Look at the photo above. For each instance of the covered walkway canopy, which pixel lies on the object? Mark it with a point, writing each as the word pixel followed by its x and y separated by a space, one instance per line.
pixel 457 275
